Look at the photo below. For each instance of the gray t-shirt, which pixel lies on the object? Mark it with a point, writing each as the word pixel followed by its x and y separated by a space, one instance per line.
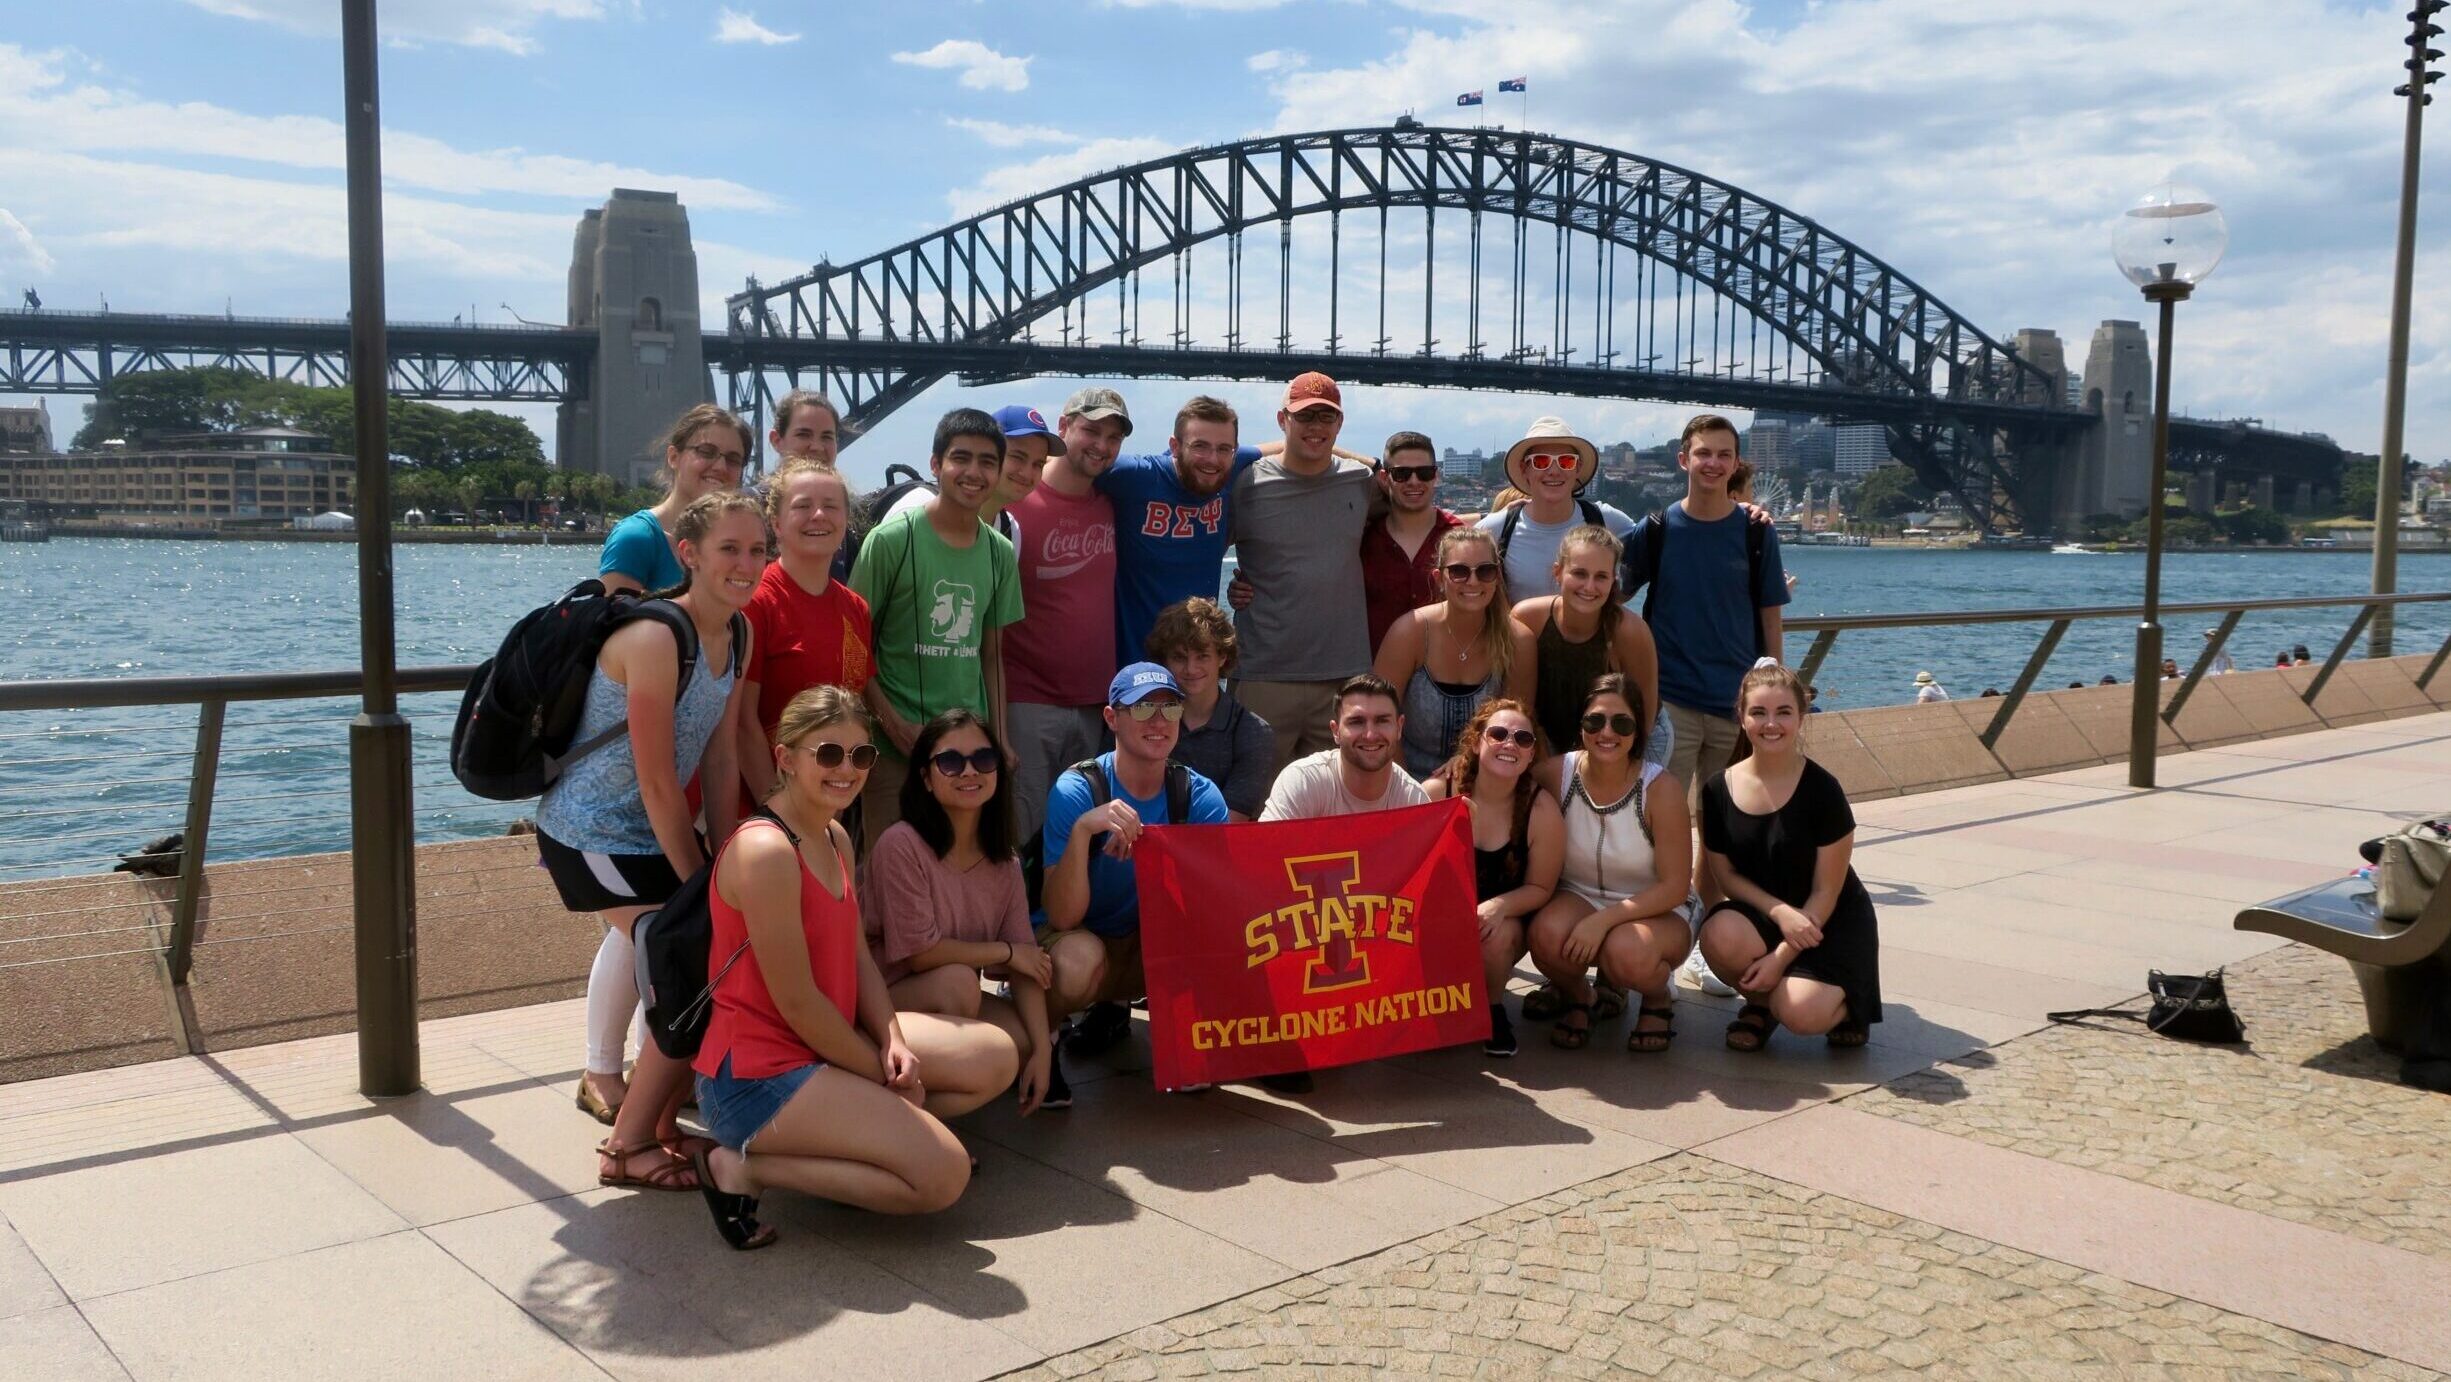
pixel 1314 786
pixel 1532 551
pixel 1298 538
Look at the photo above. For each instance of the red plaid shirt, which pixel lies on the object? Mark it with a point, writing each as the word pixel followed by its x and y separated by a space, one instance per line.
pixel 1393 582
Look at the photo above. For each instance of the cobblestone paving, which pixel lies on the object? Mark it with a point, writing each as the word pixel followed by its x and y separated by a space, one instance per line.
pixel 1688 1268
pixel 2309 1127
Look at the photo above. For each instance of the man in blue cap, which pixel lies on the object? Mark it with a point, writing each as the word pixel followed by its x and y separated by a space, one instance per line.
pixel 1090 912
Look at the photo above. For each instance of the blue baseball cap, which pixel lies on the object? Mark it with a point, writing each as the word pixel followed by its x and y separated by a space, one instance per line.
pixel 1138 682
pixel 1022 420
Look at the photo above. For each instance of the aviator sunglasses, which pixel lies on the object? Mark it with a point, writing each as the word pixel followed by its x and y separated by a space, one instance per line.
pixel 951 762
pixel 1619 723
pixel 831 755
pixel 1172 710
pixel 1520 738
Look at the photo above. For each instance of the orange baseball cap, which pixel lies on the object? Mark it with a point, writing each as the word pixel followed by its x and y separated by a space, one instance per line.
pixel 1313 390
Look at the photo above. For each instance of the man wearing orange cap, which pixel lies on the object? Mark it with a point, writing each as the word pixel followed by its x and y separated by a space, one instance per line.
pixel 1297 521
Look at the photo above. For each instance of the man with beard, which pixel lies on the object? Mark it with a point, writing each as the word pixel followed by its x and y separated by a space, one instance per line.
pixel 1358 775
pixel 1297 521
pixel 1059 658
pixel 1170 518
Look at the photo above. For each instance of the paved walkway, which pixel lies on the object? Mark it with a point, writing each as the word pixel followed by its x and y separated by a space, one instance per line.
pixel 1975 1193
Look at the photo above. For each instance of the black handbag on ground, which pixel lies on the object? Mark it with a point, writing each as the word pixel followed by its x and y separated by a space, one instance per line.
pixel 2191 1007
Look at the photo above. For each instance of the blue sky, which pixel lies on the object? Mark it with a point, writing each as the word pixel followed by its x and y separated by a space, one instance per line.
pixel 175 155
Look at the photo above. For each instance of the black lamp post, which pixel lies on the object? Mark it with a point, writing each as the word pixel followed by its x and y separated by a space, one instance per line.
pixel 2166 243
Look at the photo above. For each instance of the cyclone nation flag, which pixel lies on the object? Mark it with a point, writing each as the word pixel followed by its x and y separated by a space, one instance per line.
pixel 1297 945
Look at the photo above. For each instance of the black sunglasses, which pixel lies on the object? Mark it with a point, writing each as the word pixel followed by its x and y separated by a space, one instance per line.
pixel 831 755
pixel 1520 738
pixel 1458 572
pixel 1411 472
pixel 980 761
pixel 1620 723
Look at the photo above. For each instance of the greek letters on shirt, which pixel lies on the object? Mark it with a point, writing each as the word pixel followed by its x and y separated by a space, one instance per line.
pixel 1177 520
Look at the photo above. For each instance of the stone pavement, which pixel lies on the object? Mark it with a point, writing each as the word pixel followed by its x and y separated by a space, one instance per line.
pixel 1975 1193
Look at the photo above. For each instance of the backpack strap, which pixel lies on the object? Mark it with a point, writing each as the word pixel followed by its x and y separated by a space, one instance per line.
pixel 685 638
pixel 1641 566
pixel 1591 512
pixel 1757 529
pixel 1096 777
pixel 1178 793
pixel 1506 530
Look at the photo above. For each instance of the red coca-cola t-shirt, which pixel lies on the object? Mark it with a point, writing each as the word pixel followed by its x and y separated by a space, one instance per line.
pixel 804 640
pixel 1061 653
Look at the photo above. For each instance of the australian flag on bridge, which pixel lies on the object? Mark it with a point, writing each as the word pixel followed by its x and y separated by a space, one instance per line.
pixel 1507 84
pixel 1469 98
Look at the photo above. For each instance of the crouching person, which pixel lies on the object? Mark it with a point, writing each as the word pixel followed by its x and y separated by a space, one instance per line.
pixel 944 903
pixel 804 1076
pixel 1796 934
pixel 1089 899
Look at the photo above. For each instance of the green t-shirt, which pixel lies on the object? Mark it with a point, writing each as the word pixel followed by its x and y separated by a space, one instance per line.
pixel 930 606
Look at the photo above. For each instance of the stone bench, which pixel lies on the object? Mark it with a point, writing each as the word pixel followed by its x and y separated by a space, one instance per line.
pixel 2395 962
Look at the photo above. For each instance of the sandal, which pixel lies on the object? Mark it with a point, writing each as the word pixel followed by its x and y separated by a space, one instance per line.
pixel 1848 1035
pixel 1752 1028
pixel 1608 1001
pixel 1567 1038
pixel 688 1146
pixel 1652 1042
pixel 735 1215
pixel 670 1172
pixel 1544 1004
pixel 593 1104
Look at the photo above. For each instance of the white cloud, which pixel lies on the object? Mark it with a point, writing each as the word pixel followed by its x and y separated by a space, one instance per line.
pixel 1016 180
pixel 507 25
pixel 1278 60
pixel 41 108
pixel 982 67
pixel 997 134
pixel 734 26
pixel 13 234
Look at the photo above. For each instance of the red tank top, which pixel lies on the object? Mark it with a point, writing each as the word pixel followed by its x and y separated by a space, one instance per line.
pixel 746 1025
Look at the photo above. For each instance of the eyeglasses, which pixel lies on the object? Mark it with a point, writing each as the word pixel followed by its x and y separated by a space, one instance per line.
pixel 709 451
pixel 1545 460
pixel 1172 710
pixel 831 755
pixel 981 761
pixel 1520 738
pixel 1458 572
pixel 1620 723
pixel 1411 472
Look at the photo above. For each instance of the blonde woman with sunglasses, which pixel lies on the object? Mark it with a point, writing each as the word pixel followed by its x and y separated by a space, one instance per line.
pixel 1449 657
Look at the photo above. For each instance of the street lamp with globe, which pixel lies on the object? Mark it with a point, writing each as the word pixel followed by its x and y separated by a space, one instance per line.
pixel 2166 244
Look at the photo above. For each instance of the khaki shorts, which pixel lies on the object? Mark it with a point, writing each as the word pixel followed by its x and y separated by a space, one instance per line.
pixel 1704 745
pixel 1045 740
pixel 881 799
pixel 1298 714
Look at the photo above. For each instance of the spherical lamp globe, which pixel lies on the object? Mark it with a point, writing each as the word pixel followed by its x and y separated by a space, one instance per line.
pixel 2173 235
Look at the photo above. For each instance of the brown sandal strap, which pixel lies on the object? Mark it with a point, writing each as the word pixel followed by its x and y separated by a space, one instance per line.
pixel 665 1174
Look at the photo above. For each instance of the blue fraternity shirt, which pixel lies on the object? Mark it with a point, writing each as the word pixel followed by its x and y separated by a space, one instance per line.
pixel 1170 543
pixel 1114 895
pixel 1703 618
pixel 638 549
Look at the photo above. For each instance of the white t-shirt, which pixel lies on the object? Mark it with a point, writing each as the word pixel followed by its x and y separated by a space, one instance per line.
pixel 1533 549
pixel 1312 787
pixel 1927 694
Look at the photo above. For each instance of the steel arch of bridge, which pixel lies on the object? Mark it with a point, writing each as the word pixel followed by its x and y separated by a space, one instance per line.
pixel 968 299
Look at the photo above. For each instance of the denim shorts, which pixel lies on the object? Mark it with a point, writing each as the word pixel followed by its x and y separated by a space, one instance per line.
pixel 737 1110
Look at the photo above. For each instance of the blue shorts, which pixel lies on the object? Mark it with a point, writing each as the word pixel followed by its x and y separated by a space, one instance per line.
pixel 737 1110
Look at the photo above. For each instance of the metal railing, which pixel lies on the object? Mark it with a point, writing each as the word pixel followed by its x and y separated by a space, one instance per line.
pixel 288 761
pixel 1826 629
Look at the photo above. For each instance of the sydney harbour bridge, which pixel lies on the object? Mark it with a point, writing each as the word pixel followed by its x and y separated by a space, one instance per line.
pixel 1481 259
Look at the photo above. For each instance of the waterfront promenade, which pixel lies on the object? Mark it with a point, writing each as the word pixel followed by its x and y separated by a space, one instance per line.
pixel 1975 1193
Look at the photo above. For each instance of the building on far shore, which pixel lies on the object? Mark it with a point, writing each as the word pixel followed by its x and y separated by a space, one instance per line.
pixel 274 473
pixel 26 431
pixel 1861 448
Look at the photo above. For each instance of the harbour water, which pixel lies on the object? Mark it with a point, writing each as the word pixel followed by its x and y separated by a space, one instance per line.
pixel 78 788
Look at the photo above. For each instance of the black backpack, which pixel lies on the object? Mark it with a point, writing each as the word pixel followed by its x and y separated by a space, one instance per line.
pixel 1640 567
pixel 673 944
pixel 512 739
pixel 1178 809
pixel 1514 515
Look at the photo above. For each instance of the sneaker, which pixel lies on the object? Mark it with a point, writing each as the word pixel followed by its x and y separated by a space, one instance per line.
pixel 1098 1029
pixel 1059 1089
pixel 1699 974
pixel 1291 1082
pixel 1501 1041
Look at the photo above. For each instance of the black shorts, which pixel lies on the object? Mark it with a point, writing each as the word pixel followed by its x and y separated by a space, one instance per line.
pixel 593 882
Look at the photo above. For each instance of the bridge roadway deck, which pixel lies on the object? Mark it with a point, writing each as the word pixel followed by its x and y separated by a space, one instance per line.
pixel 1975 1192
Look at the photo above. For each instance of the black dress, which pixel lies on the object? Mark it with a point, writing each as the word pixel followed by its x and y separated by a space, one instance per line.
pixel 1776 854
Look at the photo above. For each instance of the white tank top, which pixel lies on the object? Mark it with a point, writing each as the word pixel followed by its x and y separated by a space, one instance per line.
pixel 1608 846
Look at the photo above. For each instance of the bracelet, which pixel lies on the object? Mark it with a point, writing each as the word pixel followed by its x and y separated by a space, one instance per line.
pixel 1008 952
